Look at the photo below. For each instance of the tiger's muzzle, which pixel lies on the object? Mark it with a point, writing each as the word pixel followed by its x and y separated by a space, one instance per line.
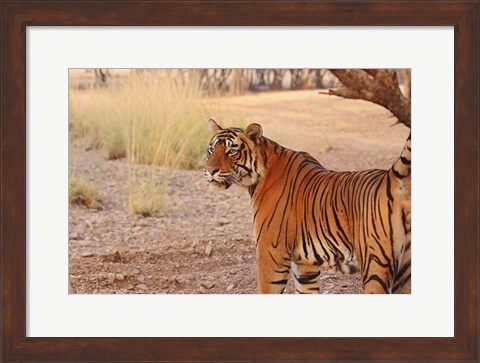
pixel 218 179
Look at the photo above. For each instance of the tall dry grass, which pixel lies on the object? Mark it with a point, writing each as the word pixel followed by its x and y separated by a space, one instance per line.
pixel 155 117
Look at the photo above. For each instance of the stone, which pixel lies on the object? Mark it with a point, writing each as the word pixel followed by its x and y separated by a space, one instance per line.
pixel 207 284
pixel 111 277
pixel 87 254
pixel 142 287
pixel 143 223
pixel 112 257
pixel 230 287
pixel 209 249
pixel 223 221
pixel 119 277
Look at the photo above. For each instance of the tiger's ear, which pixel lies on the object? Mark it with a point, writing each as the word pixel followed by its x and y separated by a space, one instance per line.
pixel 213 125
pixel 254 132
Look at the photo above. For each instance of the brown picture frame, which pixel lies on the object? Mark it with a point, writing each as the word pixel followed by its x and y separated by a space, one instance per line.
pixel 18 15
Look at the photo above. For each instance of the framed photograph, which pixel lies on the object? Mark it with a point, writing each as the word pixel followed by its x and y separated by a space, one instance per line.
pixel 142 177
pixel 142 222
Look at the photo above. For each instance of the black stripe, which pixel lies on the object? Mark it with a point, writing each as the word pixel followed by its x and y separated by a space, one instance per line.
pixel 307 279
pixel 396 173
pixel 379 280
pixel 278 282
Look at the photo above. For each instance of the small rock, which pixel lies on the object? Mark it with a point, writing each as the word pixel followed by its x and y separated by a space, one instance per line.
pixel 85 243
pixel 119 277
pixel 230 287
pixel 135 272
pixel 207 284
pixel 87 254
pixel 223 221
pixel 142 287
pixel 240 259
pixel 112 257
pixel 209 249
pixel 143 223
pixel 130 287
pixel 73 236
pixel 111 277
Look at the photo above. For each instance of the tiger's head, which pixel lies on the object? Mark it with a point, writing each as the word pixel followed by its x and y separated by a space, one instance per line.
pixel 234 156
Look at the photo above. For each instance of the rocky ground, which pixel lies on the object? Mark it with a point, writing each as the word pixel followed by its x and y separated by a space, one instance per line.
pixel 200 244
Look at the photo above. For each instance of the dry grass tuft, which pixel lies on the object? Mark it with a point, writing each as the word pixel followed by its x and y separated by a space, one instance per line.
pixel 146 193
pixel 84 193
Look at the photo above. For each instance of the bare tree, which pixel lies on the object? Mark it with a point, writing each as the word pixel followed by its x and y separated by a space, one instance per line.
pixel 101 76
pixel 296 78
pixel 276 78
pixel 379 86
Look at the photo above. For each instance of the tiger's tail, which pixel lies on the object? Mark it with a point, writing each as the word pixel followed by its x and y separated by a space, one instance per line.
pixel 402 167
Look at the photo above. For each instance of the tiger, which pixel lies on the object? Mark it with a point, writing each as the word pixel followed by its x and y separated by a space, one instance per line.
pixel 307 218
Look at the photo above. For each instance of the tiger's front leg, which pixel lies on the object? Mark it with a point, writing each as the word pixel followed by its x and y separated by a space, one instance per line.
pixel 273 269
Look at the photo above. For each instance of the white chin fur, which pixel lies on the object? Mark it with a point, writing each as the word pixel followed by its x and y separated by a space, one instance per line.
pixel 219 185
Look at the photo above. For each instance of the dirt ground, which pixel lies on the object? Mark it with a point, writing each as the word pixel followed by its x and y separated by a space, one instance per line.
pixel 200 244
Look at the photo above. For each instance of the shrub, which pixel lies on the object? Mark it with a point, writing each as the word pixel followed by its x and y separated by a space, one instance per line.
pixel 83 192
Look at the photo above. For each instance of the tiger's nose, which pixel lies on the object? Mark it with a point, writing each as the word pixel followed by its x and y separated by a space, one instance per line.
pixel 211 170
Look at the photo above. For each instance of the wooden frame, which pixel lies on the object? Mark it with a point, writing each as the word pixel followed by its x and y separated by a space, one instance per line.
pixel 16 16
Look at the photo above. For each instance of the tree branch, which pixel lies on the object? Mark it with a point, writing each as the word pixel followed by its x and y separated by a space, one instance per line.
pixel 378 86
